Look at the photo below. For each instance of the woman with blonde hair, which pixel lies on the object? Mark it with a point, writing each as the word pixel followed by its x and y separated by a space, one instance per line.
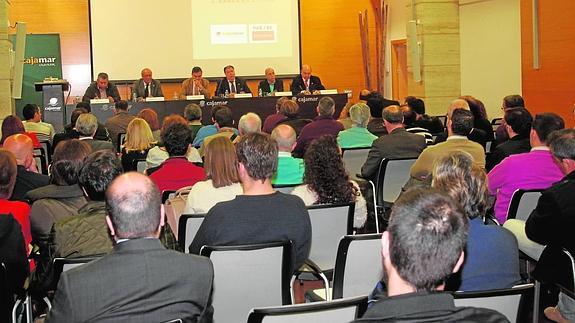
pixel 139 140
pixel 223 182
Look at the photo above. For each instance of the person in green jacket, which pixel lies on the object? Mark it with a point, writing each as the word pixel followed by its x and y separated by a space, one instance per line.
pixel 290 169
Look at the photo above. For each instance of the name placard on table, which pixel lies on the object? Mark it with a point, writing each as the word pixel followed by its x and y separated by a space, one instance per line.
pixel 243 95
pixel 285 93
pixel 155 99
pixel 195 97
pixel 99 101
pixel 332 91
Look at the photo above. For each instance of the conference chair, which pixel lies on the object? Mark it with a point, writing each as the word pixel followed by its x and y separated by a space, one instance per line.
pixel 64 264
pixel 41 157
pixel 249 276
pixel 7 295
pixel 353 159
pixel 286 189
pixel 523 202
pixel 507 301
pixel 443 119
pixel 121 139
pixel 188 226
pixel 329 222
pixel 488 146
pixel 167 194
pixel 495 123
pixel 139 165
pixel 337 311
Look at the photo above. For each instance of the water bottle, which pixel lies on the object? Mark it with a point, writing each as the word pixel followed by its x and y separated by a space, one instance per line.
pixel 134 97
pixel 227 94
pixel 260 93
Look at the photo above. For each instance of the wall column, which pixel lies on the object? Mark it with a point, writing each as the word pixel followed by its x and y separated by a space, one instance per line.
pixel 6 107
pixel 438 33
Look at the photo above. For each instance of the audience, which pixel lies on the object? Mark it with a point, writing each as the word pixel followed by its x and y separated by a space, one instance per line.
pixel 176 171
pixel 533 170
pixel 193 113
pixel 13 255
pixel 86 125
pixel 480 119
pixel 101 132
pixel 27 177
pixel 517 125
pixel 255 216
pixel 509 102
pixel 70 131
pixel 423 245
pixel 323 124
pixel 376 103
pixel 209 130
pixel 290 169
pixel 491 254
pixel 459 124
pixel 12 125
pixel 63 197
pixel 139 140
pixel 409 119
pixel 222 184
pixel 290 109
pixel 477 135
pixel 357 135
pixel 33 123
pixel 158 154
pixel 118 123
pixel 139 280
pixel 326 181
pixel 551 224
pixel 224 122
pixel 397 144
pixel 151 117
pixel 272 120
pixel 422 120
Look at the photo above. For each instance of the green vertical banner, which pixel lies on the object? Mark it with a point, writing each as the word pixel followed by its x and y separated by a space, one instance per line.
pixel 42 59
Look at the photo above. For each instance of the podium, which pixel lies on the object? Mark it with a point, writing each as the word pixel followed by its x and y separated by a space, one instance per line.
pixel 53 101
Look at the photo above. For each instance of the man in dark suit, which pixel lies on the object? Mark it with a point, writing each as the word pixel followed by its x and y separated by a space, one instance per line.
pixel 86 125
pixel 102 89
pixel 270 85
pixel 306 83
pixel 147 86
pixel 398 143
pixel 139 281
pixel 518 126
pixel 230 85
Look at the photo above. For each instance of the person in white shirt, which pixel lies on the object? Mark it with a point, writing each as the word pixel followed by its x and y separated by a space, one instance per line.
pixel 33 123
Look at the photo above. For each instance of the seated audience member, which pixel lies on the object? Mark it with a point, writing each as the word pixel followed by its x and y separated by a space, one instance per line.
pixel 27 177
pixel 208 130
pixel 256 216
pixel 357 135
pixel 518 125
pixel 139 140
pixel 290 109
pixel 158 154
pixel 118 123
pixel 19 210
pixel 325 180
pixel 196 85
pixel 270 85
pixel 491 254
pixel 305 83
pixel 193 113
pixel 230 85
pixel 376 103
pixel 70 131
pixel 224 122
pixel 101 133
pixel 423 245
pixel 323 124
pixel 422 120
pixel 12 125
pixel 63 197
pixel 480 120
pixel 344 118
pixel 13 255
pixel 533 170
pixel 509 102
pixel 176 171
pixel 139 280
pixel 552 222
pixel 33 123
pixel 290 169
pixel 86 126
pixel 222 184
pixel 86 234
pixel 102 88
pixel 409 118
pixel 397 144
pixel 151 117
pixel 459 123
pixel 477 135
pixel 146 86
pixel 272 120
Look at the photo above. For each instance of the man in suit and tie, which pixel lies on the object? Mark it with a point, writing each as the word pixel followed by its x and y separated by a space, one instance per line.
pixel 196 85
pixel 102 89
pixel 306 83
pixel 147 86
pixel 139 281
pixel 270 85
pixel 230 85
pixel 86 125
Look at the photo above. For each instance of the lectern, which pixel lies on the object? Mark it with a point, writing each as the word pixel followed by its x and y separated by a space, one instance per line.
pixel 53 101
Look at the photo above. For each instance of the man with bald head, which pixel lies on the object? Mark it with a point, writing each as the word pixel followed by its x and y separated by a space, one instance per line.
pixel 28 177
pixel 477 135
pixel 306 83
pixel 270 85
pixel 145 282
pixel 147 86
pixel 290 170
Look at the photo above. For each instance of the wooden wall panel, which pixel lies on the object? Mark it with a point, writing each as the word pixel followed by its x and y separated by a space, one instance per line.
pixel 330 39
pixel 552 86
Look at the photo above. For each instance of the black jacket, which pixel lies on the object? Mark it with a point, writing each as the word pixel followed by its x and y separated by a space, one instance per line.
pixel 264 86
pixel 298 85
pixel 92 92
pixel 223 86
